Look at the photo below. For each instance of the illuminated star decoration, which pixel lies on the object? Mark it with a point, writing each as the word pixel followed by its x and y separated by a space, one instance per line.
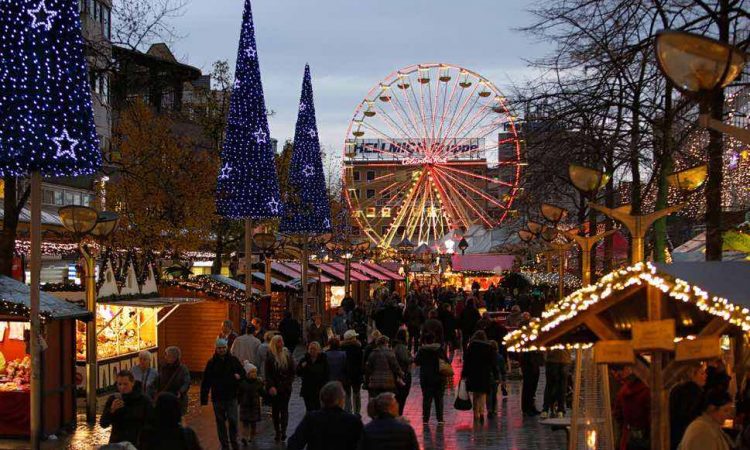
pixel 65 150
pixel 250 190
pixel 225 169
pixel 308 211
pixel 309 170
pixel 41 16
pixel 260 136
pixel 273 205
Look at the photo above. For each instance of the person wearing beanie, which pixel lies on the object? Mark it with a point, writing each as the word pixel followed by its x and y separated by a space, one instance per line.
pixel 221 378
pixel 251 391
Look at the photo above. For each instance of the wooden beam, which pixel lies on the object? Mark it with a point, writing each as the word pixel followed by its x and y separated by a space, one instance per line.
pixel 659 395
pixel 565 327
pixel 601 329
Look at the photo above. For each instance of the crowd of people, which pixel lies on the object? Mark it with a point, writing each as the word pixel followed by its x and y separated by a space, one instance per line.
pixel 375 347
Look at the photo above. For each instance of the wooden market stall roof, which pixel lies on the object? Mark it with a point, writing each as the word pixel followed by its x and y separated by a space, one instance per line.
pixel 294 270
pixel 15 300
pixel 218 286
pixel 482 263
pixel 702 296
pixel 371 272
pixel 355 274
pixel 393 275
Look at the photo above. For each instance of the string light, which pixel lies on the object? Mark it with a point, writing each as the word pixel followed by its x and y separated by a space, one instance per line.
pixel 306 209
pixel 247 186
pixel 46 114
pixel 213 288
pixel 640 274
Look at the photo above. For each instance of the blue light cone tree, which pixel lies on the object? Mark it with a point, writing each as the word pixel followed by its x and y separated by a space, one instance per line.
pixel 46 127
pixel 247 185
pixel 306 208
pixel 46 116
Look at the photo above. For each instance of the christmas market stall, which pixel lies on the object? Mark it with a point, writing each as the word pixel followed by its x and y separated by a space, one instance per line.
pixel 319 284
pixel 127 317
pixel 58 360
pixel 380 279
pixel 658 319
pixel 194 327
pixel 485 269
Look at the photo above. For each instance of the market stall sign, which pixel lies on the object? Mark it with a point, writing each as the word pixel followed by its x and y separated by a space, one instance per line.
pixel 614 352
pixel 654 335
pixel 698 349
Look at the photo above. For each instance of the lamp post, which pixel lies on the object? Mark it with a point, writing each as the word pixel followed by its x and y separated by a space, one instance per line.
pixel 405 249
pixel 267 244
pixel 83 221
pixel 701 68
pixel 589 180
pixel 348 248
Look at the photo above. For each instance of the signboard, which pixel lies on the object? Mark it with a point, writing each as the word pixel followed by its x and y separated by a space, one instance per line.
pixel 614 352
pixel 698 349
pixel 654 335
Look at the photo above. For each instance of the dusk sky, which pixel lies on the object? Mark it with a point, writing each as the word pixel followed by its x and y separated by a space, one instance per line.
pixel 352 44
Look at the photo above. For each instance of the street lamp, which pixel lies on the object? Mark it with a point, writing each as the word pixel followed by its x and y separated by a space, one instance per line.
pixel 637 225
pixel 348 248
pixel 561 248
pixel 463 245
pixel 689 179
pixel 82 221
pixel 553 213
pixel 534 227
pixel 405 249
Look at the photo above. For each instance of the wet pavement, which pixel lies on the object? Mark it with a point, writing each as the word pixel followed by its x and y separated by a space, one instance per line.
pixel 509 430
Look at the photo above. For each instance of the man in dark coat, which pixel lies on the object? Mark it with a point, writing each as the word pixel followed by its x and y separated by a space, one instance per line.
pixel 291 331
pixel 127 411
pixel 686 403
pixel 329 428
pixel 468 319
pixel 389 319
pixel 387 431
pixel 221 378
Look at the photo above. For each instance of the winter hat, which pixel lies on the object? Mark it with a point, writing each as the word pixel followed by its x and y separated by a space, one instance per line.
pixel 248 366
pixel 221 342
pixel 350 334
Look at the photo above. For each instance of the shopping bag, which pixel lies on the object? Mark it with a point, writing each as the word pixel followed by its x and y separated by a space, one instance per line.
pixel 462 402
pixel 445 368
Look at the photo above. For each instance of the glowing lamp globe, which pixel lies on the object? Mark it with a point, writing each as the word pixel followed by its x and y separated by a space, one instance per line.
pixel 106 224
pixel 78 219
pixel 696 63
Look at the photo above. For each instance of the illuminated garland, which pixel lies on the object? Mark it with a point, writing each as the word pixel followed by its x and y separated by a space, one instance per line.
pixel 614 282
pixel 551 279
pixel 212 288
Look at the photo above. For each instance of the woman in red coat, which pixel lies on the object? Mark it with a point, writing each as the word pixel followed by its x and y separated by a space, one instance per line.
pixel 632 411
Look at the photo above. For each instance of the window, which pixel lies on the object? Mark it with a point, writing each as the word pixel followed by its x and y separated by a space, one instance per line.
pixel 355 175
pixel 370 193
pixel 48 196
pixel 370 175
pixel 371 211
pixel 386 212
pixel 104 89
pixel 69 198
pixel 58 199
pixel 106 22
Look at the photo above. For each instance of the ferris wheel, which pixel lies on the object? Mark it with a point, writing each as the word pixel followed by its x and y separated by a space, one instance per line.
pixel 432 148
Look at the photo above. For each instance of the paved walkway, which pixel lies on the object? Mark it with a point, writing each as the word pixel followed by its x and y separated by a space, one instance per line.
pixel 509 430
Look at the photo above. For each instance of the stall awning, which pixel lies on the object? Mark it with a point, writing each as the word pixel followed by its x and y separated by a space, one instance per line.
pixel 371 272
pixel 393 275
pixel 330 271
pixel 482 263
pixel 356 276
pixel 15 297
pixel 295 270
pixel 275 282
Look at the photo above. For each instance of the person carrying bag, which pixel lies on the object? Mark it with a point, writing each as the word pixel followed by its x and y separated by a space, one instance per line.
pixel 462 402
